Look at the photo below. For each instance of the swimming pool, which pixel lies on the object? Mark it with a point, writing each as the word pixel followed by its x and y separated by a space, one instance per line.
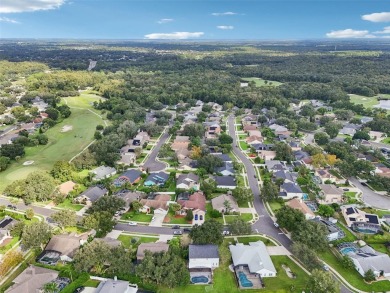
pixel 365 230
pixel 305 196
pixel 346 250
pixel 200 279
pixel 244 280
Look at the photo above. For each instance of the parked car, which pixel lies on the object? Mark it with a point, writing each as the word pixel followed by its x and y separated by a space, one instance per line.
pixel 276 225
pixel 132 224
pixel 187 230
pixel 176 227
pixel 154 218
pixel 345 189
pixel 177 232
pixel 225 232
pixel 325 267
pixel 11 207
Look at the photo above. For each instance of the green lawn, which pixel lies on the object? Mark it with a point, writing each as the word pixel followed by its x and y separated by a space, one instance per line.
pixel 91 283
pixel 5 248
pixel 246 240
pixel 243 145
pixel 133 241
pixel 174 219
pixel 239 127
pixel 61 146
pixel 243 204
pixel 367 102
pixel 243 136
pixel 352 276
pixel 137 217
pixel 67 204
pixel 261 82
pixel 246 217
pixel 386 140
pixel 275 205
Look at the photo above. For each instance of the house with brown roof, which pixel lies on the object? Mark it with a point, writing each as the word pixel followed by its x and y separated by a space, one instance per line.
pixel 213 130
pixel 32 280
pixel 254 132
pixel 197 203
pixel 299 205
pixel 249 119
pixel 254 139
pixel 66 187
pixel 180 142
pixel 247 128
pixel 160 201
pixel 330 194
pixel 152 247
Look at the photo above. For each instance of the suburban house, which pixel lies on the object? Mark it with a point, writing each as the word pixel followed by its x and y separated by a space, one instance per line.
pixel 349 129
pixel 32 280
pixel 278 129
pixel 253 258
pixel 213 130
pixel 249 119
pixel 197 203
pixel 295 146
pixel 62 248
pixel 247 128
pixel 66 187
pixel 226 169
pixel 180 142
pixel 225 203
pixel 224 158
pixel 116 286
pixel 254 139
pixel 157 179
pixel 285 175
pixel 377 135
pixel 266 155
pixel 299 205
pixel 152 247
pixel 325 175
pixel 141 138
pixel 382 170
pixel 202 260
pixel 187 181
pixel 130 196
pixel 262 147
pixel 6 225
pixel 358 219
pixel 300 155
pixel 330 194
pixel 160 202
pixel 103 172
pixel 334 232
pixel 290 190
pixel 366 258
pixel 225 182
pixel 254 133
pixel 130 176
pixel 91 195
pixel 185 164
pixel 127 158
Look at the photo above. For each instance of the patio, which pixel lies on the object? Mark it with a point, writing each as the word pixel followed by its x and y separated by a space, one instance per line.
pixel 245 278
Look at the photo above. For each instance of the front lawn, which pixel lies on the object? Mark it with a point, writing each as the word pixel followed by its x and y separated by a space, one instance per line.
pixel 137 217
pixel 9 245
pixel 91 283
pixel 242 136
pixel 243 145
pixel 246 217
pixel 130 241
pixel 275 206
pixel 172 218
pixel 246 240
pixel 68 205
pixel 351 275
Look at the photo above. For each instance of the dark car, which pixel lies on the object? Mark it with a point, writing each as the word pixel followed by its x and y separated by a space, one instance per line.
pixel 187 230
pixel 79 289
pixel 176 227
pixel 11 207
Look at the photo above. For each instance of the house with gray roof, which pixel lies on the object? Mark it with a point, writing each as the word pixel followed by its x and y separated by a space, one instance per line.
pixel 349 129
pixel 91 195
pixel 253 256
pixel 226 169
pixel 203 256
pixel 116 286
pixel 6 225
pixel 103 172
pixel 187 181
pixel 290 190
pixel 152 247
pixel 157 179
pixel 221 202
pixel 131 176
pixel 287 176
pixel 225 182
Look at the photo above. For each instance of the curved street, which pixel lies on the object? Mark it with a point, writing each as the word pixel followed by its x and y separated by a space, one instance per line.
pixel 151 162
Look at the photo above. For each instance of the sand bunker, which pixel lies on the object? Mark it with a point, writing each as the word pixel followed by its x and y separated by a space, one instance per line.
pixel 66 128
pixel 28 163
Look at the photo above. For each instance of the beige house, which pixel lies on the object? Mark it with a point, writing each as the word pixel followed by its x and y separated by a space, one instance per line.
pixel 66 187
pixel 152 247
pixel 330 194
pixel 218 203
pixel 267 155
pixel 159 202
pixel 298 204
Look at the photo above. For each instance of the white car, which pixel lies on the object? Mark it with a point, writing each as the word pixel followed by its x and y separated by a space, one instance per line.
pixel 132 224
pixel 276 225
pixel 154 218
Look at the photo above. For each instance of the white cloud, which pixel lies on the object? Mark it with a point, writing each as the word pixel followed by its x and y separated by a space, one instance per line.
pixel 12 6
pixel 225 27
pixel 377 17
pixel 9 20
pixel 174 35
pixel 223 13
pixel 386 30
pixel 164 20
pixel 349 33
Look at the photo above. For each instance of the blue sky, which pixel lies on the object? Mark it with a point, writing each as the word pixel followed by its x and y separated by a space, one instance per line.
pixel 195 19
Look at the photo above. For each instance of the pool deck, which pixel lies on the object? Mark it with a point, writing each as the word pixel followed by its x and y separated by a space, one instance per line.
pixel 254 278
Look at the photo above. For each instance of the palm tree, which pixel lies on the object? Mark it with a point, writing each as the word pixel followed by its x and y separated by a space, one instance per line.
pixel 50 288
pixel 68 271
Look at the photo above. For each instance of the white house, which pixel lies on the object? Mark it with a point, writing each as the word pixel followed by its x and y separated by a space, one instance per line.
pixel 203 256
pixel 254 256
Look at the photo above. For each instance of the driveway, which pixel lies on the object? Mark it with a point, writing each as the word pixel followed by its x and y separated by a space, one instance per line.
pixel 370 197
pixel 158 221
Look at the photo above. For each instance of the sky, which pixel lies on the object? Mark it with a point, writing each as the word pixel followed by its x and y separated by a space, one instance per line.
pixel 195 19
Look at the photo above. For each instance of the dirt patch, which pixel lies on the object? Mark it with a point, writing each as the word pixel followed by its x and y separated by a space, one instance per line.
pixel 66 128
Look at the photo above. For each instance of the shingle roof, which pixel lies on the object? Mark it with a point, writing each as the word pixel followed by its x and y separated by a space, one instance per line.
pixel 291 187
pixel 94 193
pixel 225 180
pixel 218 202
pixel 132 175
pixel 330 189
pixel 65 244
pixel 152 247
pixel 203 251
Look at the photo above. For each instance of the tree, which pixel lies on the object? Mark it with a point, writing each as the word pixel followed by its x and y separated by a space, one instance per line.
pixel 29 213
pixel 242 194
pixel 136 205
pixel 240 227
pixel 331 159
pixel 208 233
pixel 107 203
pixel 189 215
pixel 12 150
pixel 269 191
pixel 4 162
pixel 174 207
pixel 210 163
pixel 63 171
pixel 369 276
pixel 321 138
pixel 35 234
pixel 283 152
pixel 225 138
pixel 92 256
pixel 163 269
pixel 196 152
pixel 208 186
pixel 319 160
pixel 50 287
pixel 65 218
pixel 313 234
pixel 102 222
pixel 17 229
pixel 332 129
pixel 361 135
pixel 289 218
pixel 97 135
pixel 322 282
pixel 227 206
pixel 193 130
pixel 52 113
pixel 10 260
pixel 325 210
pixel 306 255
pixel 347 262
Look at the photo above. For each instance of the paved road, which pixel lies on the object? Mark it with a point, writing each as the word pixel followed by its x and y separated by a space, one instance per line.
pixel 21 206
pixel 151 163
pixel 370 197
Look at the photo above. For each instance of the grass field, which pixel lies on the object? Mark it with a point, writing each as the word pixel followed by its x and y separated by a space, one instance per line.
pixel 367 102
pixel 62 145
pixel 68 205
pixel 245 216
pixel 386 140
pixel 247 239
pixel 133 241
pixel 137 217
pixel 261 82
